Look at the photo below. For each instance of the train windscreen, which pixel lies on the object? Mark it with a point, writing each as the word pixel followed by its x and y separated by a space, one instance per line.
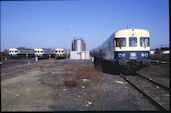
pixel 120 42
pixel 144 42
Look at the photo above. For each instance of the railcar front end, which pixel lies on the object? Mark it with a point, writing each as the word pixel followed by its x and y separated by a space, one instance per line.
pixel 60 53
pixel 13 52
pixel 132 47
pixel 40 53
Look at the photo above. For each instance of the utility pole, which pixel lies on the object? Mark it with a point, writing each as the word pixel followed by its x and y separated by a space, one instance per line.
pixel 67 29
pixel 127 26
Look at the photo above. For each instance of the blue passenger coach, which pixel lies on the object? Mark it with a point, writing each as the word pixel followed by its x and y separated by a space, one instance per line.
pixel 125 48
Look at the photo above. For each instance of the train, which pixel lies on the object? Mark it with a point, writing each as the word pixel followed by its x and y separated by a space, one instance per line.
pixel 21 52
pixel 42 53
pixel 60 53
pixel 125 49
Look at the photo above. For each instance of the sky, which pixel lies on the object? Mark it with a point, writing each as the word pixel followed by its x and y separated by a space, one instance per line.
pixel 53 24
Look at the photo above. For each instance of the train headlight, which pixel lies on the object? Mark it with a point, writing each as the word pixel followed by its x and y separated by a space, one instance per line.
pixel 144 54
pixel 121 55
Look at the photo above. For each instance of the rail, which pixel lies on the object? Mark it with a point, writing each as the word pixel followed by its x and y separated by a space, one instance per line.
pixel 159 103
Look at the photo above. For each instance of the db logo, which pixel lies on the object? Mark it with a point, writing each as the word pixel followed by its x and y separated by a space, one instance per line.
pixel 121 55
pixel 144 54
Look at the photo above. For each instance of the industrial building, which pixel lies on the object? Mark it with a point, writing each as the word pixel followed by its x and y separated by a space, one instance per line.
pixel 79 50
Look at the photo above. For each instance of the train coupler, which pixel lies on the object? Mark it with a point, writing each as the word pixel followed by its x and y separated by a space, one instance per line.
pixel 122 62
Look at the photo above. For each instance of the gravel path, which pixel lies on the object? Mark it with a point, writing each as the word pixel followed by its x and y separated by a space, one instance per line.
pixel 66 85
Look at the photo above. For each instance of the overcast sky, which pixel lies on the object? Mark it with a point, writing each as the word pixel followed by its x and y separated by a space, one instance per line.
pixel 43 24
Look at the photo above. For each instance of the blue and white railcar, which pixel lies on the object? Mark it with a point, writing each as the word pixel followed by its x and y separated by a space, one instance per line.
pixel 43 53
pixel 13 52
pixel 125 47
pixel 21 52
pixel 60 53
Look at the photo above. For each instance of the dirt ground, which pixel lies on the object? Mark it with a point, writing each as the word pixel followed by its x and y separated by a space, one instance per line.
pixel 162 69
pixel 65 85
pixel 157 72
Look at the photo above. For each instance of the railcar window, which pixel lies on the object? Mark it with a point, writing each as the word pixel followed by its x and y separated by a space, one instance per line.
pixel 132 41
pixel 62 51
pixel 144 42
pixel 16 51
pixel 120 42
pixel 56 51
pixel 41 51
pixel 59 51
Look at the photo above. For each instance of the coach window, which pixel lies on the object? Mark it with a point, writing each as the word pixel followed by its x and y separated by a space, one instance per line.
pixel 120 42
pixel 144 42
pixel 132 41
pixel 41 51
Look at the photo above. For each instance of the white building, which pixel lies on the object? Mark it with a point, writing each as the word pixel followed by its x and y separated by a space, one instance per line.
pixel 80 55
pixel 79 50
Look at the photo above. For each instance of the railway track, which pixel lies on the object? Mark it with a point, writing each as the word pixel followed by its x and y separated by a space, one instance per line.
pixel 155 82
pixel 15 70
pixel 157 94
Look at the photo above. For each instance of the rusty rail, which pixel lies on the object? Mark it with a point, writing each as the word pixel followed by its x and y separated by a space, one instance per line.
pixel 154 102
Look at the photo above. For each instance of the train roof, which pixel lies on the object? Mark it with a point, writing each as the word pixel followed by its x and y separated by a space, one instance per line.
pixel 13 49
pixel 24 48
pixel 44 49
pixel 132 29
pixel 131 32
pixel 59 49
pixel 20 48
pixel 38 49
